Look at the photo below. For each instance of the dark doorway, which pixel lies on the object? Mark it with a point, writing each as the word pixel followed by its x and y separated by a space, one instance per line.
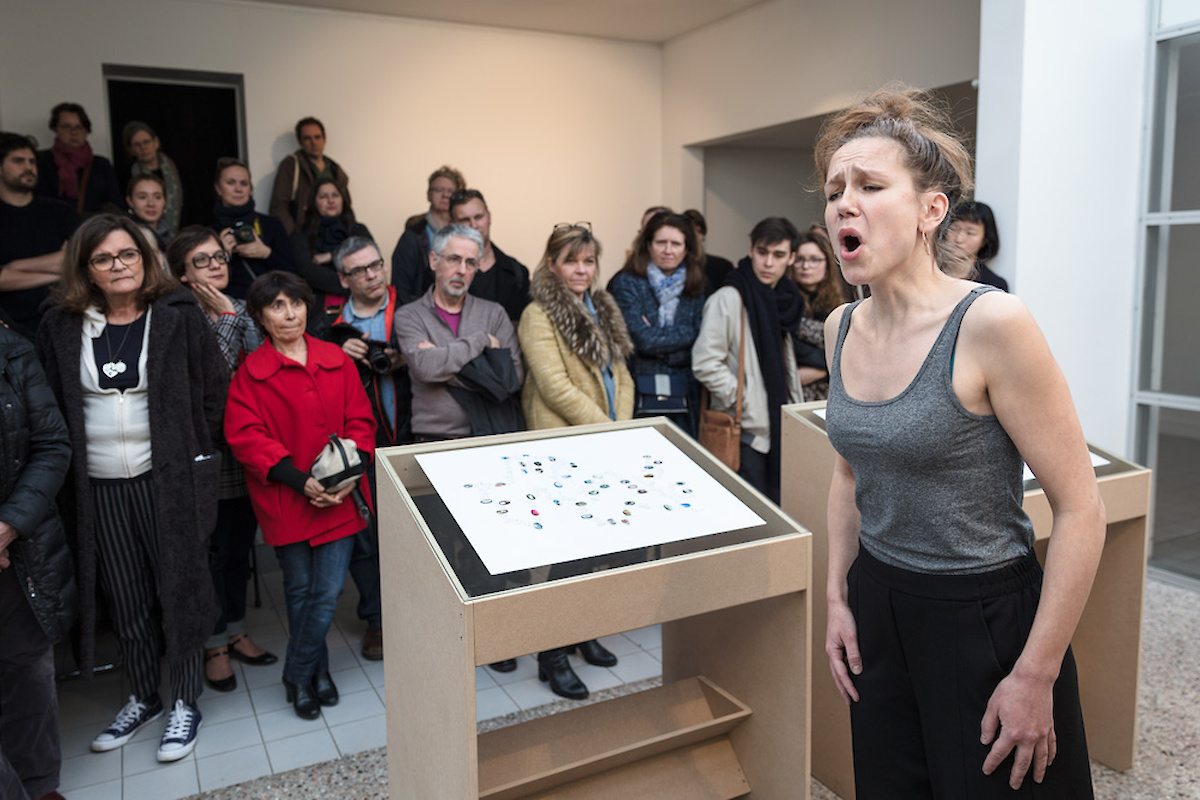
pixel 197 116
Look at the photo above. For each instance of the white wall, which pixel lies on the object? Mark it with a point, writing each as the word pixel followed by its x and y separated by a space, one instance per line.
pixel 786 60
pixel 745 184
pixel 1059 150
pixel 551 128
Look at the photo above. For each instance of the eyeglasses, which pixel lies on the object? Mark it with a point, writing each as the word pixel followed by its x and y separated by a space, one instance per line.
pixel 359 272
pixel 63 126
pixel 810 261
pixel 441 190
pixel 562 226
pixel 104 261
pixel 454 259
pixel 204 260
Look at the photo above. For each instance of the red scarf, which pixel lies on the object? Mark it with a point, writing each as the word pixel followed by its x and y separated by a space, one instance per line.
pixel 70 160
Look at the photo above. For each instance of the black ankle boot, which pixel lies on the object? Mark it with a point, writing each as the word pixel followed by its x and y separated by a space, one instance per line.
pixel 596 654
pixel 303 699
pixel 326 691
pixel 554 669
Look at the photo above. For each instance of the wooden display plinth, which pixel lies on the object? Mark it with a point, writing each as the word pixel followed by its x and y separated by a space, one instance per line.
pixel 731 719
pixel 1107 642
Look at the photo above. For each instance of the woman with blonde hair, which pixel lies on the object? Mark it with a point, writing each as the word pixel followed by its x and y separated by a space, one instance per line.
pixel 954 659
pixel 575 345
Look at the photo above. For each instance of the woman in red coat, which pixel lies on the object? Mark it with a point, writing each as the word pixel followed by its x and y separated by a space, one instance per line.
pixel 286 399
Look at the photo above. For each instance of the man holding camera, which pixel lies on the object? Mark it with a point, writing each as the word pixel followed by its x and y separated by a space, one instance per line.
pixel 444 331
pixel 364 331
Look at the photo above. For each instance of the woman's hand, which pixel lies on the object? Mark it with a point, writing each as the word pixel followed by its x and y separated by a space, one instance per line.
pixel 320 498
pixel 841 645
pixel 227 239
pixel 1022 707
pixel 255 249
pixel 211 299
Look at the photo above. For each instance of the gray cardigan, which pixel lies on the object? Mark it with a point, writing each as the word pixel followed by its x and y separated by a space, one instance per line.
pixel 432 369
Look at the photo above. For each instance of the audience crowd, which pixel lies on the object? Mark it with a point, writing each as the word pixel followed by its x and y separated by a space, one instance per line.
pixel 196 374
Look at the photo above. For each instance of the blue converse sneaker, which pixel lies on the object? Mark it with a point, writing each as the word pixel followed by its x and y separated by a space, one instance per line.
pixel 179 738
pixel 132 718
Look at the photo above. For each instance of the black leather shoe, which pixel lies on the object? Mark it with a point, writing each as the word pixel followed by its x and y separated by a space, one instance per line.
pixel 303 699
pixel 261 660
pixel 554 669
pixel 596 654
pixel 219 684
pixel 507 665
pixel 327 693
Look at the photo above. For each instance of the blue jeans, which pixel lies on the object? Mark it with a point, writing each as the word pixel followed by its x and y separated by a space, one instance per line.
pixel 312 581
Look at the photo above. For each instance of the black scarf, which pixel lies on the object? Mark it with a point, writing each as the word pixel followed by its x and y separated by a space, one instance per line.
pixel 330 232
pixel 226 216
pixel 772 313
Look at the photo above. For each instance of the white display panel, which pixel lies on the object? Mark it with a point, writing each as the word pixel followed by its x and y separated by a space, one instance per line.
pixel 546 501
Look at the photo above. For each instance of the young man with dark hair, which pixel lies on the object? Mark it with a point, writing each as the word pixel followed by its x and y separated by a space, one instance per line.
pixel 33 234
pixel 500 277
pixel 291 197
pixel 760 306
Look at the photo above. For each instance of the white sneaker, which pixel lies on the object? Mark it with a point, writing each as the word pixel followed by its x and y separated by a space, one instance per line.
pixel 132 718
pixel 179 738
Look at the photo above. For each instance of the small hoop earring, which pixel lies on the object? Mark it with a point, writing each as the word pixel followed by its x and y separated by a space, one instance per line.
pixel 925 240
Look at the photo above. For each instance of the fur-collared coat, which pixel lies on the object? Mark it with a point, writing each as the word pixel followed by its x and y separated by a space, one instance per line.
pixel 565 349
pixel 187 380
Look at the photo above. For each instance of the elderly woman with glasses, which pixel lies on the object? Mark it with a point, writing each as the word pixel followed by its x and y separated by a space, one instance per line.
pixel 141 383
pixel 197 259
pixel 575 346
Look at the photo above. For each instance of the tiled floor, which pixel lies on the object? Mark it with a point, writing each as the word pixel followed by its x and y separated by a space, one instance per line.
pixel 254 732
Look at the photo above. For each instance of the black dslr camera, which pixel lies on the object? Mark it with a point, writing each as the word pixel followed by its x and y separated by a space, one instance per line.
pixel 243 233
pixel 378 360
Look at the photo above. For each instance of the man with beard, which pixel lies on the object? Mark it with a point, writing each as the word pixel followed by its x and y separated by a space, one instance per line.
pixel 445 330
pixel 33 234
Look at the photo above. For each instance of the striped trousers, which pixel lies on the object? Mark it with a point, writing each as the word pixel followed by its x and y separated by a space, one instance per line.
pixel 128 547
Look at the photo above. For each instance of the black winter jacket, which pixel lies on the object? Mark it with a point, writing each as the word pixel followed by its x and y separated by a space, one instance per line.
pixel 35 454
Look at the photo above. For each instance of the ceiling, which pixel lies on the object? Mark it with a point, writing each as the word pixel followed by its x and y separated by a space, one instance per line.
pixel 636 20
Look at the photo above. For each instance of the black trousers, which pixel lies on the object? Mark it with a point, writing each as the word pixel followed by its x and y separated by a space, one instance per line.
pixel 127 543
pixel 229 565
pixel 30 754
pixel 934 648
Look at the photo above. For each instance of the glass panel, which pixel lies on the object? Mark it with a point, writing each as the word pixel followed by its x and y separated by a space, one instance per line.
pixel 1175 542
pixel 1176 156
pixel 1178 12
pixel 1171 327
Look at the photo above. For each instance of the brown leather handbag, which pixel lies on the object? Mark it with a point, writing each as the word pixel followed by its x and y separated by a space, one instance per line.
pixel 720 433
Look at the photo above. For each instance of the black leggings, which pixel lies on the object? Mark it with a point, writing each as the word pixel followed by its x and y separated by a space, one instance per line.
pixel 934 648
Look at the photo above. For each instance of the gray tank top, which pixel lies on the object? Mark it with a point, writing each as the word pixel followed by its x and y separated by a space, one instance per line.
pixel 938 489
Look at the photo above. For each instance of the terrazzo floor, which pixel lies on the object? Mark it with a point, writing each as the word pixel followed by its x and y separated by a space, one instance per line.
pixel 1167 766
pixel 254 733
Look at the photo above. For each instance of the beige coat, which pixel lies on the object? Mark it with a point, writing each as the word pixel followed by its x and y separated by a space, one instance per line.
pixel 564 350
pixel 715 365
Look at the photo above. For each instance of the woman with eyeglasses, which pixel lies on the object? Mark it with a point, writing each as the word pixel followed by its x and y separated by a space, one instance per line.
pixel 257 242
pixel 70 171
pixel 141 142
pixel 575 345
pixel 313 245
pixel 141 382
pixel 197 259
pixel 816 275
